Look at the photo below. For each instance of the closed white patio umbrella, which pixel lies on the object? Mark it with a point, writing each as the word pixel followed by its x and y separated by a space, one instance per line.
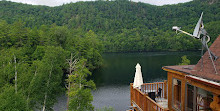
pixel 138 79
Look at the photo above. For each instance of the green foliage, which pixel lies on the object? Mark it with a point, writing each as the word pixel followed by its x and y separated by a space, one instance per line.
pixel 121 25
pixel 11 101
pixel 49 72
pixel 185 61
pixel 38 57
pixel 35 42
pixel 79 94
pixel 80 100
pixel 86 45
pixel 213 29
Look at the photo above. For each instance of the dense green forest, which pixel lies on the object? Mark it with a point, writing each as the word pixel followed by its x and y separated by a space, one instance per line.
pixel 122 25
pixel 37 65
pixel 45 51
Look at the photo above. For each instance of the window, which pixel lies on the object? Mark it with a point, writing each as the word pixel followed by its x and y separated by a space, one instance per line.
pixel 198 99
pixel 190 98
pixel 176 97
pixel 203 100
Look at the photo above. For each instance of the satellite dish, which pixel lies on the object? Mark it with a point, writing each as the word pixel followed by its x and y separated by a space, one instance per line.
pixel 198 28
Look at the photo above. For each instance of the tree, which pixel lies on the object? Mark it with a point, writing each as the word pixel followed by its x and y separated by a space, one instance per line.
pixel 5 41
pixel 17 34
pixel 11 101
pixel 51 71
pixel 45 85
pixel 80 96
pixel 72 66
pixel 185 61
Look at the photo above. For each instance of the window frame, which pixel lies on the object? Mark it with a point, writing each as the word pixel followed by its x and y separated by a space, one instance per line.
pixel 194 96
pixel 172 103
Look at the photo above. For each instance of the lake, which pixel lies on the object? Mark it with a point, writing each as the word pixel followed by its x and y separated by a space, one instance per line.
pixel 114 77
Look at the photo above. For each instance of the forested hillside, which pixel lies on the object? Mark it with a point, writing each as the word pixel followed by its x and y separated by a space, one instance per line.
pixel 123 25
pixel 37 65
pixel 47 50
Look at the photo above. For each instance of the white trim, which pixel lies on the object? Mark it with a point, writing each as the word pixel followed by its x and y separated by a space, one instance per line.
pixel 205 80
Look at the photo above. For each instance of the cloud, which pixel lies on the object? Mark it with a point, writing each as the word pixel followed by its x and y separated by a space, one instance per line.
pixel 60 2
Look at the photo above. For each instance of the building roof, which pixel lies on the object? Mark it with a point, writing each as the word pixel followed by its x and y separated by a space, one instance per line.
pixel 207 71
pixel 181 68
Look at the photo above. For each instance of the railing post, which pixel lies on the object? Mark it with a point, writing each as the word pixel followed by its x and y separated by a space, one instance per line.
pixel 157 87
pixel 131 93
pixel 138 97
pixel 135 95
pixel 141 101
pixel 145 102
pixel 165 89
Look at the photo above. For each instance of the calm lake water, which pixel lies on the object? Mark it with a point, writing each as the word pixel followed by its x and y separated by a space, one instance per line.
pixel 113 79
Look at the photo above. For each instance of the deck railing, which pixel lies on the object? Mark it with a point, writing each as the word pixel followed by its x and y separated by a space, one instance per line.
pixel 151 87
pixel 143 101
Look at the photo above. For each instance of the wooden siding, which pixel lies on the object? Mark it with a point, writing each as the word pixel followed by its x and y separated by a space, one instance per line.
pixel 184 80
pixel 198 83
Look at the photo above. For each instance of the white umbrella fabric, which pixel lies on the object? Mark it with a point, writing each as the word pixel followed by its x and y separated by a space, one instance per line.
pixel 138 79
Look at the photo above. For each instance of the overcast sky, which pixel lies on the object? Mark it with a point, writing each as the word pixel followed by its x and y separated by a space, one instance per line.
pixel 60 2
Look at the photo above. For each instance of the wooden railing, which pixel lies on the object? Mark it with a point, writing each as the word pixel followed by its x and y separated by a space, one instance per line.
pixel 144 102
pixel 151 87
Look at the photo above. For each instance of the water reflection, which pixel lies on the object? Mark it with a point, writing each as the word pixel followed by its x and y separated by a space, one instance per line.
pixel 114 77
pixel 118 71
pixel 113 96
pixel 119 68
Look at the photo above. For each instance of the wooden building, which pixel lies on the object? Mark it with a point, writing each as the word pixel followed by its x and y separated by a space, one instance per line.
pixel 188 87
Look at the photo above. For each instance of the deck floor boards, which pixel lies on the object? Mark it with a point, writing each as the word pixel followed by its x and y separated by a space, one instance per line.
pixel 162 102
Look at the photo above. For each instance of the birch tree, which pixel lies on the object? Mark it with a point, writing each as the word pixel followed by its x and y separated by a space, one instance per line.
pixel 47 79
pixel 72 66
pixel 12 94
pixel 80 96
pixel 53 62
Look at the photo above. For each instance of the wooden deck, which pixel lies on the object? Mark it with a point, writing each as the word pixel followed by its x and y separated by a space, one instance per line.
pixel 142 102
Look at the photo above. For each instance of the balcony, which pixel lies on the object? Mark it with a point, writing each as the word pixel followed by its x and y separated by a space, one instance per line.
pixel 142 99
